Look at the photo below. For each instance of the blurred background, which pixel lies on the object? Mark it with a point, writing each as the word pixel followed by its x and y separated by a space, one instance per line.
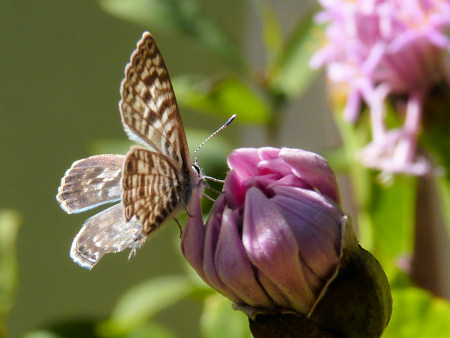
pixel 61 63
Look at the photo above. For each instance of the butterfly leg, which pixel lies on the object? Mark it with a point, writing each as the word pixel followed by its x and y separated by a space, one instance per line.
pixel 212 189
pixel 179 225
pixel 138 240
pixel 187 211
pixel 209 197
pixel 213 179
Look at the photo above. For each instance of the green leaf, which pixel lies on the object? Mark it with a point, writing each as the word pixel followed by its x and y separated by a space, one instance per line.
pixel 219 320
pixel 337 159
pixel 9 226
pixel 271 28
pixel 443 187
pixel 224 98
pixel 392 205
pixel 418 314
pixel 183 16
pixel 144 301
pixel 392 208
pixel 291 73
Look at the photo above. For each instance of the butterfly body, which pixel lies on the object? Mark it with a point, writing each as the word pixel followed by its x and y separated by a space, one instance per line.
pixel 152 182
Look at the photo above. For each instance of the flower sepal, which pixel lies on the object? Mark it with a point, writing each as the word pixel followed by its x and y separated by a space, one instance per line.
pixel 355 301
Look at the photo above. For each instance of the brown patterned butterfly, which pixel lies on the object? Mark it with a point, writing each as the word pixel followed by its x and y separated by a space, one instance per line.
pixel 152 182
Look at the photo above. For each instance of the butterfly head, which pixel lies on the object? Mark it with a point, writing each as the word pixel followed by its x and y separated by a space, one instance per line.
pixel 196 169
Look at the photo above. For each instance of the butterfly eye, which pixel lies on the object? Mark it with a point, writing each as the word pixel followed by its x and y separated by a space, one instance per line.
pixel 197 168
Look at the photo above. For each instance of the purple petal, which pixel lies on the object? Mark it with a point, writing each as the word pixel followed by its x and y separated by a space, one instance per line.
pixel 316 224
pixel 233 265
pixel 272 248
pixel 279 297
pixel 213 225
pixel 353 105
pixel 291 181
pixel 234 190
pixel 244 161
pixel 193 237
pixel 274 165
pixel 314 169
pixel 268 153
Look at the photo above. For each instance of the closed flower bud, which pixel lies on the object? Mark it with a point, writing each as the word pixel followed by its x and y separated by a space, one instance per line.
pixel 274 240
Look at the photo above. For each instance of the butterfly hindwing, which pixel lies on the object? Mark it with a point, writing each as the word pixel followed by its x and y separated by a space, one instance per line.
pixel 153 187
pixel 104 233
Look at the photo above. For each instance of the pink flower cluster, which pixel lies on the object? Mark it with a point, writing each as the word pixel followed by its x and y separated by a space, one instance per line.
pixel 380 48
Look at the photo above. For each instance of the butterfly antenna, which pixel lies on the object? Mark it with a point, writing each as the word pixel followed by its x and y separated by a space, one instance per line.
pixel 226 124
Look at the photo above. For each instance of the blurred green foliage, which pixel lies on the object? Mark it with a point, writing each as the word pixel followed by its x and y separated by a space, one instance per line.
pixel 222 97
pixel 144 301
pixel 185 17
pixel 219 322
pixel 293 59
pixel 418 314
pixel 9 227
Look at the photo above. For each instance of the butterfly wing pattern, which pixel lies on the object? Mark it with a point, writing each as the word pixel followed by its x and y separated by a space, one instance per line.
pixel 152 182
pixel 91 182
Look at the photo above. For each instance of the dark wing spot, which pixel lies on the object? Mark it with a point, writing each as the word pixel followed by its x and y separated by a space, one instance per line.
pixel 137 61
pixel 152 118
pixel 147 96
pixel 163 167
pixel 130 166
pixel 149 80
pixel 167 146
pixel 132 76
pixel 174 198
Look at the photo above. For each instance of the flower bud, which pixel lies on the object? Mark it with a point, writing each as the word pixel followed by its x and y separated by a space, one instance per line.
pixel 276 237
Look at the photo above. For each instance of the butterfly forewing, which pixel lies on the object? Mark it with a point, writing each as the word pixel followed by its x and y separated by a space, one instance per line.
pixel 90 182
pixel 148 107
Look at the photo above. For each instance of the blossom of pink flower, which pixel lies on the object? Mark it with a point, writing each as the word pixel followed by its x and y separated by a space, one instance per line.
pixel 381 48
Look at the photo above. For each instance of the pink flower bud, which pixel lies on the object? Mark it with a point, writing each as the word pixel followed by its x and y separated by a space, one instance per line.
pixel 273 237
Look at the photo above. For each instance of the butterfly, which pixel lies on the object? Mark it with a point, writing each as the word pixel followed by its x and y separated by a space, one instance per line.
pixel 152 182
